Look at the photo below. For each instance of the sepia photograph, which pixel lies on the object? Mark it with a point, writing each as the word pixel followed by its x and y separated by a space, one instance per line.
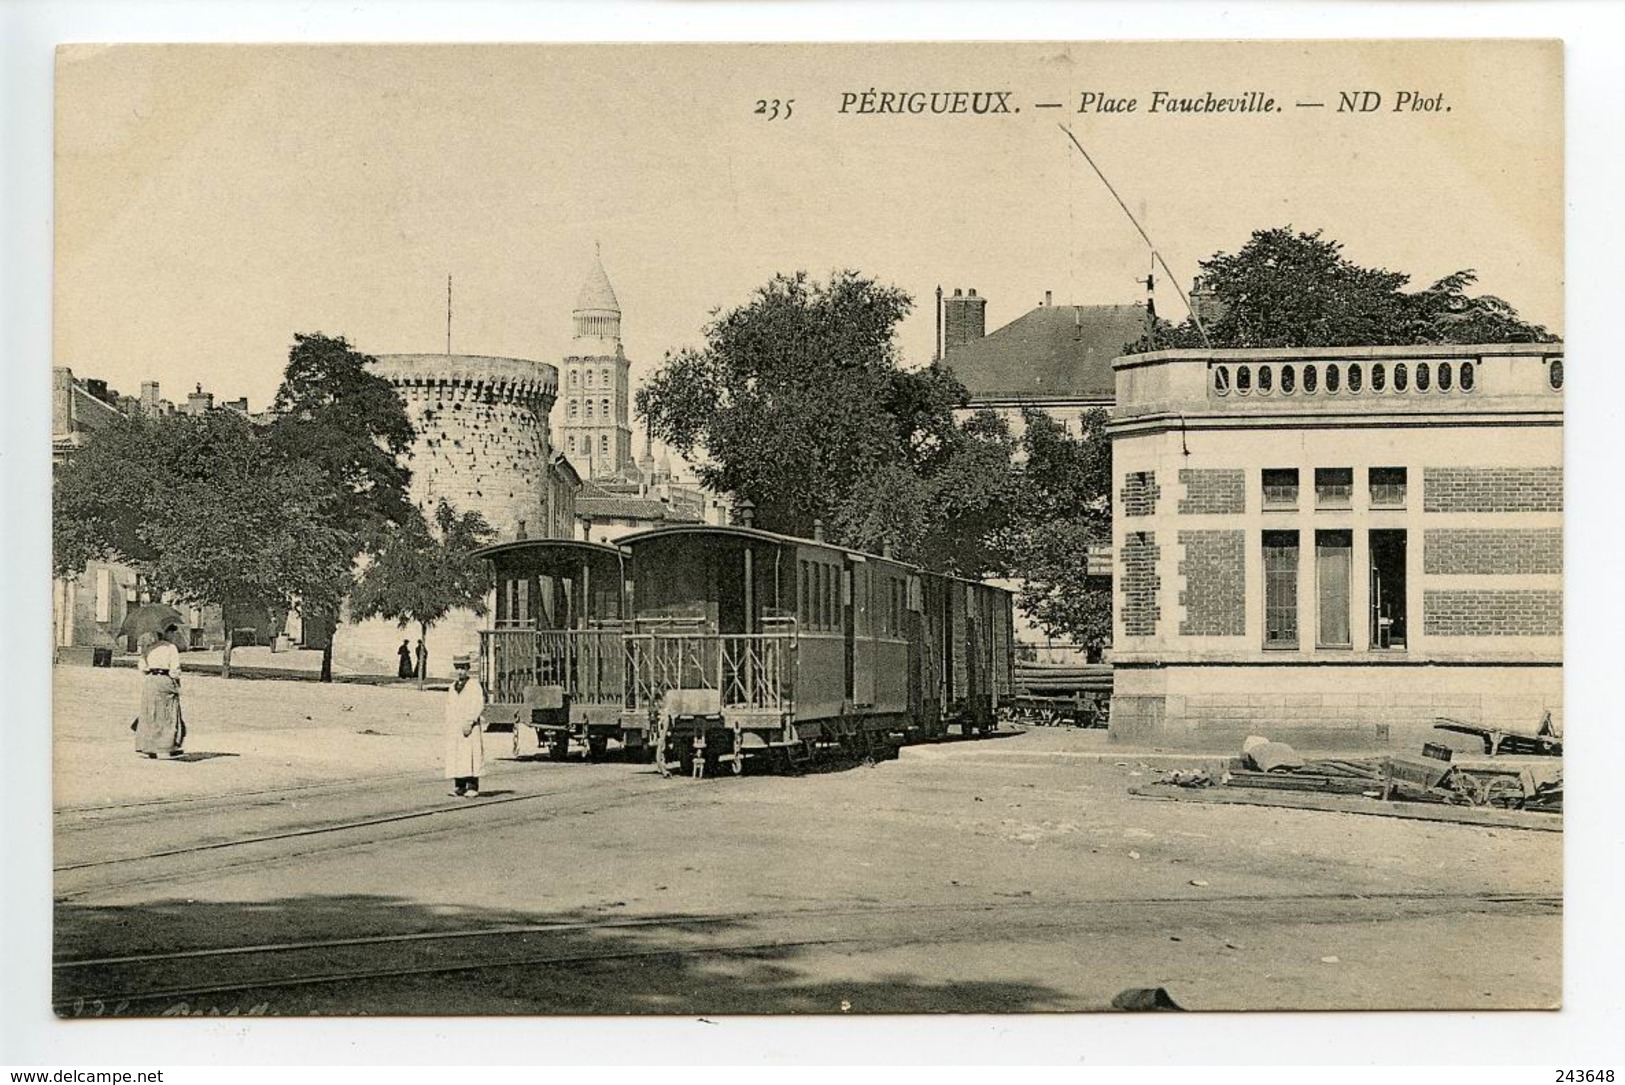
pixel 683 529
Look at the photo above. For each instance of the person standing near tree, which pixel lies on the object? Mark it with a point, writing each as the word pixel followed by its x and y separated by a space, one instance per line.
pixel 423 660
pixel 465 742
pixel 406 668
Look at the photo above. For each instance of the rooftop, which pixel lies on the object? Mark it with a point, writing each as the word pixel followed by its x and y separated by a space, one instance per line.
pixel 1053 352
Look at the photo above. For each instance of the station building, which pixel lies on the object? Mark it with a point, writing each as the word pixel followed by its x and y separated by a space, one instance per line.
pixel 1338 546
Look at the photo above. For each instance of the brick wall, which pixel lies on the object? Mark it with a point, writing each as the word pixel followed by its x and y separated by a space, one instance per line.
pixel 1213 490
pixel 1492 613
pixel 1492 489
pixel 1141 584
pixel 1139 494
pixel 1493 550
pixel 1215 596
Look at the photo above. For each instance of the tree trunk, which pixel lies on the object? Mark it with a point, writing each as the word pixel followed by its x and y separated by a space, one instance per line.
pixel 327 660
pixel 225 655
pixel 423 661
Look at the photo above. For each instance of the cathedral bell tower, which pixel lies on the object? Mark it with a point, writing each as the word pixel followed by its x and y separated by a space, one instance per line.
pixel 594 385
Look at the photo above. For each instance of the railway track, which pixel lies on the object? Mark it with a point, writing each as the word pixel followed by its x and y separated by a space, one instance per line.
pixel 283 845
pixel 134 980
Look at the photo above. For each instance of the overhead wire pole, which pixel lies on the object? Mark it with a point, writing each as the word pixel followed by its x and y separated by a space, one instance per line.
pixel 1155 255
pixel 448 314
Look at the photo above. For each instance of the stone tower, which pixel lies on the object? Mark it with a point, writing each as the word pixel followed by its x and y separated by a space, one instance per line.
pixel 595 432
pixel 482 435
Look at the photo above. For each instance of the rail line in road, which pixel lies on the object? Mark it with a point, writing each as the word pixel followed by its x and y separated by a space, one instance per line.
pixel 333 836
pixel 230 798
pixel 140 977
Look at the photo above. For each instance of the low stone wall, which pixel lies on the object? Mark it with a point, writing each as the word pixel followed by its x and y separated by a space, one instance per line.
pixel 1323 707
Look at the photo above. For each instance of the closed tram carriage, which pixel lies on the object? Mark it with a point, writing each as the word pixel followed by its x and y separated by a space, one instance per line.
pixel 720 645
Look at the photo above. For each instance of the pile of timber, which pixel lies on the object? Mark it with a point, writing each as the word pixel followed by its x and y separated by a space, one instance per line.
pixel 1062 679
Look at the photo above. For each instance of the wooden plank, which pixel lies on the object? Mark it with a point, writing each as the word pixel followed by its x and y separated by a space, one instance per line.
pixel 1347 804
pixel 1302 781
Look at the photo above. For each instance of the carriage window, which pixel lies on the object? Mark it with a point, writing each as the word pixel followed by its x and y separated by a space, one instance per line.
pixel 1379 377
pixel 805 597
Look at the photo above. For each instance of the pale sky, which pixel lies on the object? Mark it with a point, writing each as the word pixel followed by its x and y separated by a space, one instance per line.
pixel 212 201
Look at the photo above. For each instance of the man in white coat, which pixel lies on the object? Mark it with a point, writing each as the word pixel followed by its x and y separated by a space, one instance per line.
pixel 465 742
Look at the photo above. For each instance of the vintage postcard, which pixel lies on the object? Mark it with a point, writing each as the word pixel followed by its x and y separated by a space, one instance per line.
pixel 808 529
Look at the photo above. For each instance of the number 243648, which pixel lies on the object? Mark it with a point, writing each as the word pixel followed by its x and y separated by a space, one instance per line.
pixel 1566 1077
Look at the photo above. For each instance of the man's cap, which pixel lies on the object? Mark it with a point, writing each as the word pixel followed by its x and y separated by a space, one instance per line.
pixel 463 660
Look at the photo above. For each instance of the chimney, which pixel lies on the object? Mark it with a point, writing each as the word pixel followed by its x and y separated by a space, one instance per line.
pixel 1205 303
pixel 520 533
pixel 1049 298
pixel 818 525
pixel 149 397
pixel 964 320
pixel 746 510
pixel 936 355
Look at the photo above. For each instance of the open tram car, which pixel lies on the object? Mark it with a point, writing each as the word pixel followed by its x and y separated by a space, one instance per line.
pixel 737 644
pixel 554 659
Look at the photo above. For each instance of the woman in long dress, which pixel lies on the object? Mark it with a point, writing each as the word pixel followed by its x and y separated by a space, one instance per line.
pixel 465 742
pixel 160 730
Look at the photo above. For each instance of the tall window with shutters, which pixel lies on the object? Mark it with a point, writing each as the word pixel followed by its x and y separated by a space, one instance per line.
pixel 1334 564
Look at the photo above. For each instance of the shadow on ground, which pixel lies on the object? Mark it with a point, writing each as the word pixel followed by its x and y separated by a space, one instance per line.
pixel 669 963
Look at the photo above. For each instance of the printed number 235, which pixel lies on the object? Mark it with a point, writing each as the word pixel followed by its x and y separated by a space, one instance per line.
pixel 774 109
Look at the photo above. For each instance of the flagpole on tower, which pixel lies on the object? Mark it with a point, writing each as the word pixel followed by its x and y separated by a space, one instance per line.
pixel 448 313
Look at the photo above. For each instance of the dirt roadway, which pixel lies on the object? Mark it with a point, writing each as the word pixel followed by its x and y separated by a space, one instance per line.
pixel 1008 874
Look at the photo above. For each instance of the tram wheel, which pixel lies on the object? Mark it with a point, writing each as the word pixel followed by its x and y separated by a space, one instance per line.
pixel 559 748
pixel 597 747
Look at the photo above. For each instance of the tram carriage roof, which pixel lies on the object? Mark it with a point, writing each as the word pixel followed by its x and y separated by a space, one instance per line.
pixel 792 540
pixel 758 534
pixel 519 546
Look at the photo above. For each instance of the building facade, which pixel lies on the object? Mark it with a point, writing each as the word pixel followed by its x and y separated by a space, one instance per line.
pixel 595 429
pixel 1336 547
pixel 1053 358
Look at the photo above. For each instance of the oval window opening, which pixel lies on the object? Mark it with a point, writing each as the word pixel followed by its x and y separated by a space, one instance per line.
pixel 1332 378
pixel 1554 374
pixel 1289 380
pixel 1466 376
pixel 1401 377
pixel 1221 379
pixel 1244 379
pixel 1309 378
pixel 1423 378
pixel 1379 377
pixel 1266 378
pixel 1356 378
pixel 1444 378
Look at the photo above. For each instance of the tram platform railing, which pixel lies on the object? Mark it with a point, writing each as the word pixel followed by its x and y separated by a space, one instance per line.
pixel 589 664
pixel 634 670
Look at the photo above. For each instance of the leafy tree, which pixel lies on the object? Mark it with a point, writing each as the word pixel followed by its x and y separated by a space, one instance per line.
pixel 798 403
pixel 1064 507
pixel 1293 289
pixel 204 511
pixel 420 573
pixel 348 425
